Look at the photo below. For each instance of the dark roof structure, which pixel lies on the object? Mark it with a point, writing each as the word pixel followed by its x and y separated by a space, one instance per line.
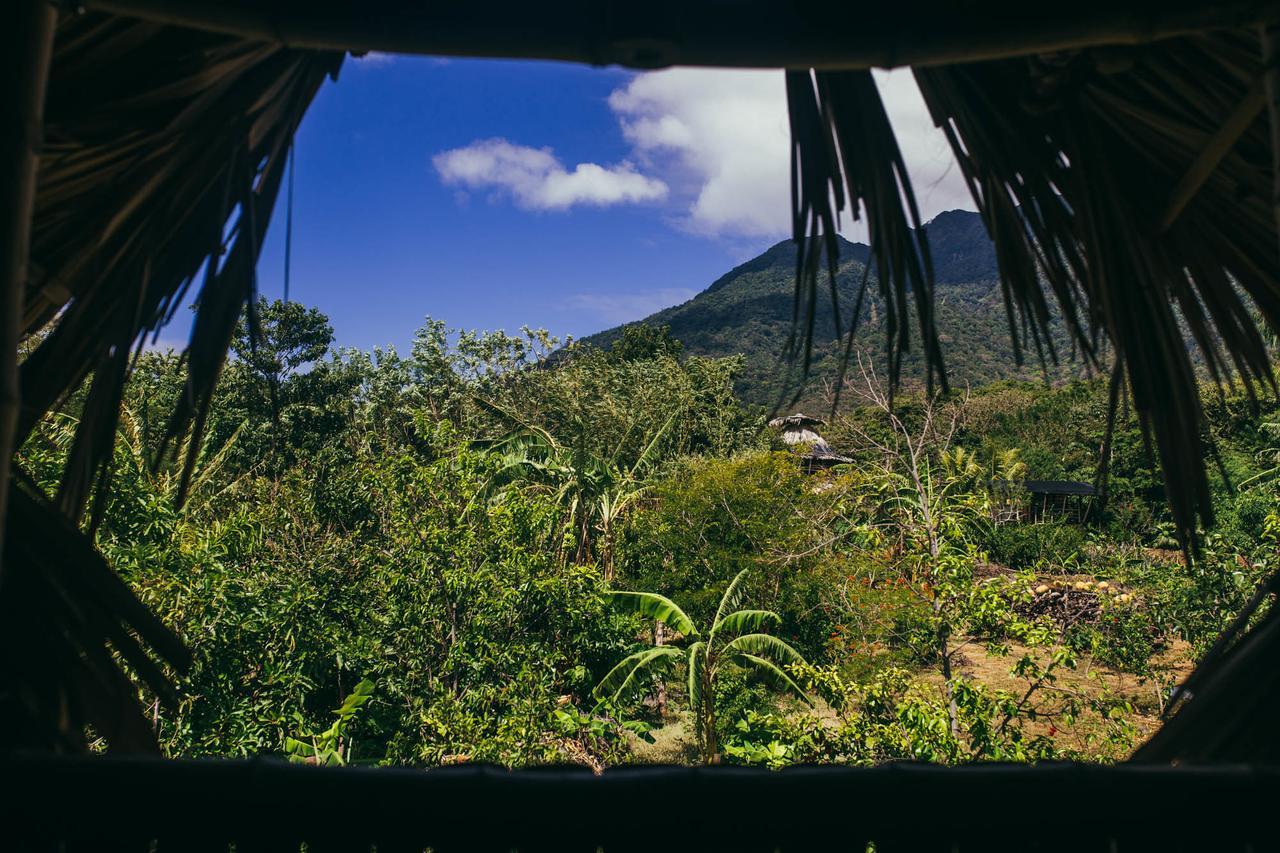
pixel 1059 487
pixel 466 808
pixel 1122 155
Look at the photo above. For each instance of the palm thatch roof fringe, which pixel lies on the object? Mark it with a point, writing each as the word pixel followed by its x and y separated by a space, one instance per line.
pixel 140 177
pixel 742 33
pixel 64 617
pixel 28 44
pixel 163 156
pixel 1063 154
pixel 1271 65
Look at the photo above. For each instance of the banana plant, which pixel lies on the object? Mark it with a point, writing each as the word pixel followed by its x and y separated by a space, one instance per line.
pixel 331 747
pixel 595 491
pixel 737 638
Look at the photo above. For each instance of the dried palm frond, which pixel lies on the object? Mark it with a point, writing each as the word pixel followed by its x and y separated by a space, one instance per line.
pixel 876 177
pixel 1089 169
pixel 67 623
pixel 164 153
pixel 852 150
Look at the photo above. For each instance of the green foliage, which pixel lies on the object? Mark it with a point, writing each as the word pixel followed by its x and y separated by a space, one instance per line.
pixel 1193 603
pixel 642 342
pixel 331 746
pixel 444 525
pixel 762 656
pixel 280 388
pixel 712 519
pixel 1034 546
pixel 894 717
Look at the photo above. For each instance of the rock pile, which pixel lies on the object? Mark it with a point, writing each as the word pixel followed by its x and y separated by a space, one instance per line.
pixel 1070 603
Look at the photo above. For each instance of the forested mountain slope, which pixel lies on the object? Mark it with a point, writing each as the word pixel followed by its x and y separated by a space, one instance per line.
pixel 748 311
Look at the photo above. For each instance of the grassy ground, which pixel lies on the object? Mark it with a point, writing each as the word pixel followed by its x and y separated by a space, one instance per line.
pixel 674 741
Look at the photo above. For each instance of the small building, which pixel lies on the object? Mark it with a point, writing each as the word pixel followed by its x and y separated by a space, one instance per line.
pixel 798 431
pixel 1038 501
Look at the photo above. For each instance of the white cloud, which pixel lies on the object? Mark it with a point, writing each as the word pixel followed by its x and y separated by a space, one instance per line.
pixel 617 308
pixel 725 135
pixel 537 180
pixel 374 59
pixel 935 175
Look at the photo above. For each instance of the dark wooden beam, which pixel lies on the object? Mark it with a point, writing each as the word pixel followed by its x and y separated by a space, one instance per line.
pixel 729 33
pixel 97 803
pixel 26 44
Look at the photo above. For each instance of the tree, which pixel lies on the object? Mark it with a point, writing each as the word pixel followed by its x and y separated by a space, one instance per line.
pixel 736 638
pixel 595 491
pixel 935 508
pixel 642 342
pixel 288 336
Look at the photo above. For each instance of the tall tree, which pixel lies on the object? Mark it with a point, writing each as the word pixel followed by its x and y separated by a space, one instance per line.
pixel 287 336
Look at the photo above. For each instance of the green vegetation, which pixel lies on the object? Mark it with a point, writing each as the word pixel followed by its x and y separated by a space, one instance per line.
pixel 473 552
pixel 736 638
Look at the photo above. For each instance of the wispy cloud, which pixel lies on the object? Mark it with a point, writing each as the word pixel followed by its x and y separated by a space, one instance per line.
pixel 375 59
pixel 537 180
pixel 613 309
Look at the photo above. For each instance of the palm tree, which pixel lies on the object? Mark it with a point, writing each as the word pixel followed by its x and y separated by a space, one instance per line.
pixel 736 638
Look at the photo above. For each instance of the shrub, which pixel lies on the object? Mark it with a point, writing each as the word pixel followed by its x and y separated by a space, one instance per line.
pixel 1035 546
pixel 1127 638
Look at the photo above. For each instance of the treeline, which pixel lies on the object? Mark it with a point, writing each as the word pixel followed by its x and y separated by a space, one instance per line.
pixel 431 542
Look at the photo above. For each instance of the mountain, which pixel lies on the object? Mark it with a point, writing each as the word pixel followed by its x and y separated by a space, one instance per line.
pixel 748 311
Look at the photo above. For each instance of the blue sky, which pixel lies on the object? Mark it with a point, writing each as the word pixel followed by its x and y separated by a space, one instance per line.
pixel 497 194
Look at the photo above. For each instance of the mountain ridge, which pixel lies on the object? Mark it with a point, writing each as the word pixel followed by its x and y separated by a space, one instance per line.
pixel 748 310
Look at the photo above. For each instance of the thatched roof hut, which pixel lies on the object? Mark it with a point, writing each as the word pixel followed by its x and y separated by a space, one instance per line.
pixel 1123 152
pixel 798 431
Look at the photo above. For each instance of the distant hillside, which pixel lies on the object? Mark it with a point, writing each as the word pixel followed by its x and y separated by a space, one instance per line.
pixel 748 311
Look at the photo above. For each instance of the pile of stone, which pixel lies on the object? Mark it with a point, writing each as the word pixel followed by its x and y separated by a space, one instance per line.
pixel 1070 603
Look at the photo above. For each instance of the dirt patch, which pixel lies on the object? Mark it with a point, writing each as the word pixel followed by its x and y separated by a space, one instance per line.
pixel 1090 680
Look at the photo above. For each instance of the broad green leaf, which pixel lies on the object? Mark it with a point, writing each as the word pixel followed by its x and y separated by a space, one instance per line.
pixel 769 673
pixel 362 693
pixel 649 452
pixel 745 621
pixel 729 601
pixel 298 750
pixel 765 645
pixel 697 663
pixel 640 729
pixel 657 607
pixel 626 675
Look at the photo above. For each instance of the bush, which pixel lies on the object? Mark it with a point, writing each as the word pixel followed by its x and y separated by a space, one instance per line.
pixel 1127 638
pixel 1035 546
pixel 714 518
